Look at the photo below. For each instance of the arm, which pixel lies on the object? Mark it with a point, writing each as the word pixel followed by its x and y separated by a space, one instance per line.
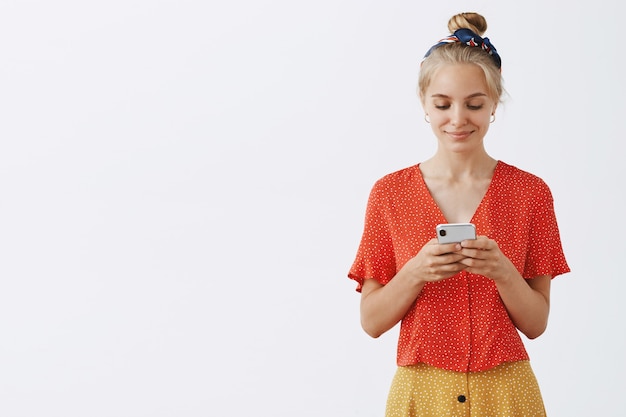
pixel 383 306
pixel 526 301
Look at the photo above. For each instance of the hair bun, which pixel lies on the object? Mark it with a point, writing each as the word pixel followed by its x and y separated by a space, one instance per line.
pixel 470 20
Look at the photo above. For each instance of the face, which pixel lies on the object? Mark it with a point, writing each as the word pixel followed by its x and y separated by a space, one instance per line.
pixel 459 107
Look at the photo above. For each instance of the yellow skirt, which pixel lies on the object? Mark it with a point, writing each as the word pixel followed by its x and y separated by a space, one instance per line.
pixel 508 390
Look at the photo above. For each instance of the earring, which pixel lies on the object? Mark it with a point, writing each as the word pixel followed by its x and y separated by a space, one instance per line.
pixel 493 118
pixel 427 118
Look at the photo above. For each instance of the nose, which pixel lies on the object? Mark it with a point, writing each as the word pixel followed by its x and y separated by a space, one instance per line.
pixel 458 116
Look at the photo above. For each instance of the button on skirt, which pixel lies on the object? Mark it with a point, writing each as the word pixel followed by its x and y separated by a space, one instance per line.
pixel 509 389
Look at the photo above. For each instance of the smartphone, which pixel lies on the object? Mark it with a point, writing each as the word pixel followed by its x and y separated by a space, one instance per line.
pixel 455 232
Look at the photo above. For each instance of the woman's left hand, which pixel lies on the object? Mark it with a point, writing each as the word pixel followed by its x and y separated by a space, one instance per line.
pixel 484 257
pixel 526 300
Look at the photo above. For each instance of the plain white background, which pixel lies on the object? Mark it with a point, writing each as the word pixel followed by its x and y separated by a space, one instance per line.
pixel 183 184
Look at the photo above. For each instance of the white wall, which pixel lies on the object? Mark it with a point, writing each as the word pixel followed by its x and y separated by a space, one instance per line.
pixel 182 189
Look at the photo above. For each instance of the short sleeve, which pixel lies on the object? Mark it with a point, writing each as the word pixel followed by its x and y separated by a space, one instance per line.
pixel 545 254
pixel 375 257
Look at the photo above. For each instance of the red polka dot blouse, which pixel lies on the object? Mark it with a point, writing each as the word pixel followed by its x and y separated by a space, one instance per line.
pixel 460 323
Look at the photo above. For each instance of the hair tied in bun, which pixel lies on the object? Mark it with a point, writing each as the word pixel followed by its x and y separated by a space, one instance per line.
pixel 469 38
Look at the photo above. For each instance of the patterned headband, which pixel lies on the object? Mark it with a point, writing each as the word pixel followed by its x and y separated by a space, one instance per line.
pixel 469 38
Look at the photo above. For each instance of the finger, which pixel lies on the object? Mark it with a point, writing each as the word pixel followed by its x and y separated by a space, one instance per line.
pixel 481 242
pixel 472 244
pixel 451 258
pixel 479 254
pixel 472 262
pixel 446 271
pixel 448 248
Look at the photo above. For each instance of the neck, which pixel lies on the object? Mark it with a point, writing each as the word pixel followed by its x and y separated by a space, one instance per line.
pixel 460 165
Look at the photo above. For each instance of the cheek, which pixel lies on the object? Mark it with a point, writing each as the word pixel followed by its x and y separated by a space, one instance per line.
pixel 438 119
pixel 483 118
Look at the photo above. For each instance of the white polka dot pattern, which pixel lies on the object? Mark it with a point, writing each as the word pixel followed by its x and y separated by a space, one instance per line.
pixel 460 323
pixel 508 390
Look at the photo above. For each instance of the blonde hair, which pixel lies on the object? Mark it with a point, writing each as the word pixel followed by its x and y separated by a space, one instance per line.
pixel 459 53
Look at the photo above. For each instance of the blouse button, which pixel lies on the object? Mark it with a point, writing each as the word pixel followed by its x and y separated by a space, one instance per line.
pixel 461 398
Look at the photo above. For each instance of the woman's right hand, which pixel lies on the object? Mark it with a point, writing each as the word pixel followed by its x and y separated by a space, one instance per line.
pixel 382 306
pixel 435 262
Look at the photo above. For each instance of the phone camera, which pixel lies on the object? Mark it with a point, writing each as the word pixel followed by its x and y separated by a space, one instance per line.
pixel 442 233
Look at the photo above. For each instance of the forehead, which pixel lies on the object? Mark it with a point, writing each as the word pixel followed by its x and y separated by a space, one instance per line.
pixel 458 81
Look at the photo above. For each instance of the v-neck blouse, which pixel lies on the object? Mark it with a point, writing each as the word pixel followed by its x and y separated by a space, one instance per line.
pixel 460 323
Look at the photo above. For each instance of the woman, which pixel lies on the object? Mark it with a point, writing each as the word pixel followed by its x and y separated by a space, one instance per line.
pixel 460 304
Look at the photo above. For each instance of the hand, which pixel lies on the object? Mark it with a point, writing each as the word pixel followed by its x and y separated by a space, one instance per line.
pixel 484 257
pixel 435 262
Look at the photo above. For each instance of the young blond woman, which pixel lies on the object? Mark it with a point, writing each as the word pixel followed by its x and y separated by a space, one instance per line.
pixel 461 305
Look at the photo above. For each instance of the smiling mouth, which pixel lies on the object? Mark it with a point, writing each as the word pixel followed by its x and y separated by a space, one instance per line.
pixel 459 135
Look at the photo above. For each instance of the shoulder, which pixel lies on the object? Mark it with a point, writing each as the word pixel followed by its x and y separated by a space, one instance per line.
pixel 398 179
pixel 520 180
pixel 397 186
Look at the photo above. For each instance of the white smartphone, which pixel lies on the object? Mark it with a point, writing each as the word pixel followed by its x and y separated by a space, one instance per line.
pixel 455 232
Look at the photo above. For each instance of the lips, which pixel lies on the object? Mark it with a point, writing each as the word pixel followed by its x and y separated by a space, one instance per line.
pixel 459 135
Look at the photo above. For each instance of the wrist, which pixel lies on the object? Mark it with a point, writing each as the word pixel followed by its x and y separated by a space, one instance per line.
pixel 412 281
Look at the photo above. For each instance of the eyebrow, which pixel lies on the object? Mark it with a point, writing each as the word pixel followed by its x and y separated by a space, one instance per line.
pixel 470 96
